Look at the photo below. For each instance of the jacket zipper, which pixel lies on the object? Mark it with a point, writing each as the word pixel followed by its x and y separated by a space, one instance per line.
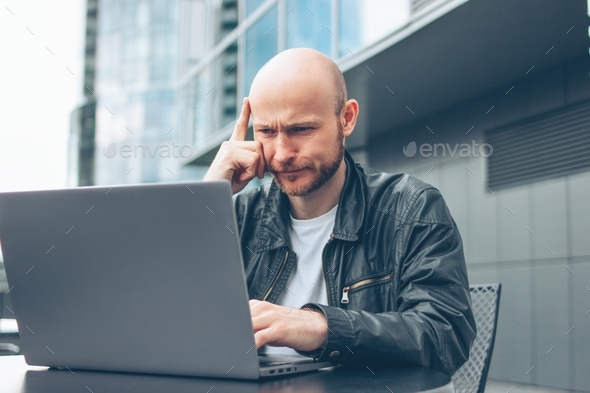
pixel 362 283
pixel 324 268
pixel 277 277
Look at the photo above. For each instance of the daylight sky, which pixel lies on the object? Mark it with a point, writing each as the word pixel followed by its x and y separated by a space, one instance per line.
pixel 38 40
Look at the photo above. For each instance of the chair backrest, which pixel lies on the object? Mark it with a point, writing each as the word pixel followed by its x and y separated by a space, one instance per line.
pixel 472 376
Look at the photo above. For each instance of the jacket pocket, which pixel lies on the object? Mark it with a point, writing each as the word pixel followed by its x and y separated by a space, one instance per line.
pixel 362 283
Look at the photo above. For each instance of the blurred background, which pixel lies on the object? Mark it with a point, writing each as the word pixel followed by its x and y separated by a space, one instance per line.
pixel 488 100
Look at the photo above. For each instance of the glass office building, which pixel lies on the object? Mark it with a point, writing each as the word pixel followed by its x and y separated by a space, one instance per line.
pixel 136 66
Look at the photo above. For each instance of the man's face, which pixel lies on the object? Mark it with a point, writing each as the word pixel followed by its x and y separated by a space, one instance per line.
pixel 308 175
pixel 302 138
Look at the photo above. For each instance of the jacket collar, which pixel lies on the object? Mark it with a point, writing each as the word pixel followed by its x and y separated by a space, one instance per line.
pixel 275 218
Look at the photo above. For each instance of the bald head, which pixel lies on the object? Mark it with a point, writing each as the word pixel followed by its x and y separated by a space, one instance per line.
pixel 306 69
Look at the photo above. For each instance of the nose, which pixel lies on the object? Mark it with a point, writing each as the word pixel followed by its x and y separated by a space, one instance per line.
pixel 284 148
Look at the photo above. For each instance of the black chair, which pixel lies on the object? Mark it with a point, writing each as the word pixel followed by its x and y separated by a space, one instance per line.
pixel 485 302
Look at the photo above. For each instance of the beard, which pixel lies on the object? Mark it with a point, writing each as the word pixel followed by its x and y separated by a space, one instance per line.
pixel 320 176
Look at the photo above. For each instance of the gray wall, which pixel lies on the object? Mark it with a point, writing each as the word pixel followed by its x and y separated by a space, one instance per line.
pixel 541 298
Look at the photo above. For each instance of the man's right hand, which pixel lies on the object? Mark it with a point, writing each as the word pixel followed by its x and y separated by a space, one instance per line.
pixel 238 160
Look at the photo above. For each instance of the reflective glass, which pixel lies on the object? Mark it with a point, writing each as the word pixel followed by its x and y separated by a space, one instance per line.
pixel 129 13
pixel 129 47
pixel 195 111
pixel 251 5
pixel 108 17
pixel 200 110
pixel 162 71
pixel 363 22
pixel 261 45
pixel 136 61
pixel 309 25
pixel 158 113
pixel 163 11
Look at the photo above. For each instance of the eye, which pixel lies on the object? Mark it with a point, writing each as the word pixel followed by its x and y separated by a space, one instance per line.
pixel 301 129
pixel 265 131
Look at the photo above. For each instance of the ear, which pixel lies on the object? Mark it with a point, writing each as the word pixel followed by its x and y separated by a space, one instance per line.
pixel 349 115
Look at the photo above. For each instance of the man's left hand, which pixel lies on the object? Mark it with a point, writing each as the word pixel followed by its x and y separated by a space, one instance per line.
pixel 301 329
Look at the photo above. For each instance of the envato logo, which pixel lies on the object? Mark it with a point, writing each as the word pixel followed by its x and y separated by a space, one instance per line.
pixel 162 151
pixel 442 150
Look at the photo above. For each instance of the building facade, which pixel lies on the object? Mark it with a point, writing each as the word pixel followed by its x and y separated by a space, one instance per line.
pixel 136 67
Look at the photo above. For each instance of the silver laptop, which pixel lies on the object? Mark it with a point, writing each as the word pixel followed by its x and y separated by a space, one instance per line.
pixel 143 278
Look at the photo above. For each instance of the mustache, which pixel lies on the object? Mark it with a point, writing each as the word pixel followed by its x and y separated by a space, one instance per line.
pixel 273 168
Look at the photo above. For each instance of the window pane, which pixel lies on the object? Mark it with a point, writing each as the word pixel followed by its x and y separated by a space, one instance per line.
pixel 363 22
pixel 309 25
pixel 199 113
pixel 158 112
pixel 251 5
pixel 162 71
pixel 194 111
pixel 261 45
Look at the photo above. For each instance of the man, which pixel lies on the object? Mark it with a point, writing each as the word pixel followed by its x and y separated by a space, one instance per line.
pixel 342 262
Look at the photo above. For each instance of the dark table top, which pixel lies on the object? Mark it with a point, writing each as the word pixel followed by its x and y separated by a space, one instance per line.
pixel 17 377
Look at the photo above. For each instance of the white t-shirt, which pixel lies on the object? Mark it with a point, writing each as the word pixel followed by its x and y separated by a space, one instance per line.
pixel 306 284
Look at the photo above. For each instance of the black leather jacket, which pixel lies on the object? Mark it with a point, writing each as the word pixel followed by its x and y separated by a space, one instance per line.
pixel 394 268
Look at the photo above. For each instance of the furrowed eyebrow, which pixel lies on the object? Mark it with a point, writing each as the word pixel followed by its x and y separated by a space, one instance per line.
pixel 304 124
pixel 261 125
pixel 289 126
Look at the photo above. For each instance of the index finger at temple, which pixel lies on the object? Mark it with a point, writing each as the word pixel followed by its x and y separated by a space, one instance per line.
pixel 241 128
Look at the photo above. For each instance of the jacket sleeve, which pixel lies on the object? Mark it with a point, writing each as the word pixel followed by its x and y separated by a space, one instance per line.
pixel 433 325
